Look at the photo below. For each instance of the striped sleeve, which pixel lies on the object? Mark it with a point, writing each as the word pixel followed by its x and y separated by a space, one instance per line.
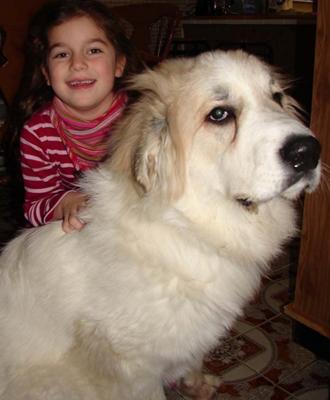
pixel 42 156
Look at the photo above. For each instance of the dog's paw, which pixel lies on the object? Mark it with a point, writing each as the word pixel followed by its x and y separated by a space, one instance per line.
pixel 199 386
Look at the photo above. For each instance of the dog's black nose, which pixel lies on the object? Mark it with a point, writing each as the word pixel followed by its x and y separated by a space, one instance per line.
pixel 302 153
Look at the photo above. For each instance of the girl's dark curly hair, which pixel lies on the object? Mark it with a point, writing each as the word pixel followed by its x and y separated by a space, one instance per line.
pixel 33 91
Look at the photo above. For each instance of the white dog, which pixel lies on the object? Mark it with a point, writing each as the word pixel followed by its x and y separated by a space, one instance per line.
pixel 182 220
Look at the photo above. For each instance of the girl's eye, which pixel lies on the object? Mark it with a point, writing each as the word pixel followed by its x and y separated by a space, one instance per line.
pixel 60 55
pixel 219 114
pixel 95 51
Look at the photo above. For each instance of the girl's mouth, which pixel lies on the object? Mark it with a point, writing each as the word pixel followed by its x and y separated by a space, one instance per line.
pixel 81 84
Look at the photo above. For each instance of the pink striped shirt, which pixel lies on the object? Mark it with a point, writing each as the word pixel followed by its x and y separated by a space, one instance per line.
pixel 48 171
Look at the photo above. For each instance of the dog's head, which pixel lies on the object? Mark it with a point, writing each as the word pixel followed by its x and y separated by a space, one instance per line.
pixel 222 121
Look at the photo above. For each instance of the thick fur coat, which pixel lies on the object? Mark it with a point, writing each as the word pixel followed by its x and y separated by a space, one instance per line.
pixel 182 220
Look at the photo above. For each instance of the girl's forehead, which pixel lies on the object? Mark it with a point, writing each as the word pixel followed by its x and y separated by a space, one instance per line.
pixel 75 30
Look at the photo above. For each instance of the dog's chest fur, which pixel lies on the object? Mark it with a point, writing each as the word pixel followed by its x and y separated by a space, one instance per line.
pixel 175 289
pixel 170 318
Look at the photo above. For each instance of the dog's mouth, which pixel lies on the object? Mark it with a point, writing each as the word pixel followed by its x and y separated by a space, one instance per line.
pixel 299 184
pixel 293 179
pixel 290 190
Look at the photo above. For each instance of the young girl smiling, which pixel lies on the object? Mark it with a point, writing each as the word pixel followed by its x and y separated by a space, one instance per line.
pixel 70 98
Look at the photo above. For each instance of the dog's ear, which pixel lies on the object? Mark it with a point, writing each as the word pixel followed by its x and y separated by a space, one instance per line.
pixel 158 160
pixel 148 143
pixel 146 158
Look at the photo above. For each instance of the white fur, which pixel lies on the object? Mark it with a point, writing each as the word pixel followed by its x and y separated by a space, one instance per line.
pixel 168 257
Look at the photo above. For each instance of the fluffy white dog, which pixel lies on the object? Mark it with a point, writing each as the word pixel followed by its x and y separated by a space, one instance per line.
pixel 182 220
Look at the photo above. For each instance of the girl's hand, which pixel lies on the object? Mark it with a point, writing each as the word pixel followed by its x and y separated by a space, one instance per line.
pixel 67 210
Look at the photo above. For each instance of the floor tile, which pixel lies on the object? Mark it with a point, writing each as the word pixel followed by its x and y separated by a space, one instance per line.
pixel 244 325
pixel 269 350
pixel 255 388
pixel 270 299
pixel 276 294
pixel 311 382
pixel 320 393
pixel 282 275
pixel 223 361
pixel 238 379
pixel 281 261
pixel 258 311
pixel 172 394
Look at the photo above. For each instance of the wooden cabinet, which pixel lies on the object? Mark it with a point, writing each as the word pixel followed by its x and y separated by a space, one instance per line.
pixel 311 305
pixel 285 40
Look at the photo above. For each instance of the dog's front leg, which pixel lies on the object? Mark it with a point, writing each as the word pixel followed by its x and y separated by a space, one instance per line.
pixel 143 391
pixel 199 386
pixel 156 394
pixel 133 382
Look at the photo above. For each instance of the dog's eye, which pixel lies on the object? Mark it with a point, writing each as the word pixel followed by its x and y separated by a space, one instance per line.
pixel 278 97
pixel 219 114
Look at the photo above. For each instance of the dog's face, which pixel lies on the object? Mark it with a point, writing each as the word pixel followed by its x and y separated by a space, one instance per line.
pixel 222 119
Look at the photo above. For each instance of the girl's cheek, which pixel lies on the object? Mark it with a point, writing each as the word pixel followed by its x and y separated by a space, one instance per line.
pixel 56 68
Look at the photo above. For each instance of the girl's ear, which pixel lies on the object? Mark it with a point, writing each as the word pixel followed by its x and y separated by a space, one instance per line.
pixel 45 74
pixel 120 65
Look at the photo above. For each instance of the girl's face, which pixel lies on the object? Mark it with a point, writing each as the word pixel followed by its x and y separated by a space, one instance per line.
pixel 82 66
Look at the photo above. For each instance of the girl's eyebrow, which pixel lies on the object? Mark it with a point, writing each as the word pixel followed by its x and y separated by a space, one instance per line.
pixel 90 41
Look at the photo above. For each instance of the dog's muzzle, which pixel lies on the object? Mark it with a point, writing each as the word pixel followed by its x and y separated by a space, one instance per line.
pixel 301 154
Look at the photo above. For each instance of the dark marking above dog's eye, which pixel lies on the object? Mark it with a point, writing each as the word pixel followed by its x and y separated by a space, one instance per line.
pixel 219 115
pixel 278 97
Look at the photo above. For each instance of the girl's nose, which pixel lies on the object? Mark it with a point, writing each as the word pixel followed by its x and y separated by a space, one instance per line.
pixel 78 62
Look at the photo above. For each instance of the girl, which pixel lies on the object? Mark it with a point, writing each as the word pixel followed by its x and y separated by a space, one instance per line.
pixel 71 95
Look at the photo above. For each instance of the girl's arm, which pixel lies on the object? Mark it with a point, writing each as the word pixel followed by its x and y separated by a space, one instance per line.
pixel 46 185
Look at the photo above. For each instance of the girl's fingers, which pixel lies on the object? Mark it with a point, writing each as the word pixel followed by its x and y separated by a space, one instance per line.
pixel 71 224
pixel 76 223
pixel 71 221
pixel 66 226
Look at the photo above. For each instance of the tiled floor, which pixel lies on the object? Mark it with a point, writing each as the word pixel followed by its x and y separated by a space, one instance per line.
pixel 258 360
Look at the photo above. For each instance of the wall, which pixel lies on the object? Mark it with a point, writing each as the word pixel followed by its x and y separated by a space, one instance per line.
pixel 14 19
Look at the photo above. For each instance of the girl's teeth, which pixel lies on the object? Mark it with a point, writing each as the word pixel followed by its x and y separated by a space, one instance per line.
pixel 76 83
